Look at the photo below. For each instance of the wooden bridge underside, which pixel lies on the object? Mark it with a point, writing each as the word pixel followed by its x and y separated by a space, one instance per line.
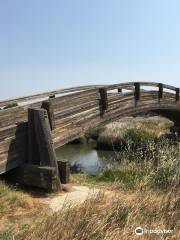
pixel 73 112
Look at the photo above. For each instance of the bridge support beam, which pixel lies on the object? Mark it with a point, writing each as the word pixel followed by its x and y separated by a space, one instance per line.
pixel 42 163
pixel 64 171
pixel 36 176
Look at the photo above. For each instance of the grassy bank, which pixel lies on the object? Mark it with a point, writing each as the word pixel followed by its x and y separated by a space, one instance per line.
pixel 140 189
pixel 115 135
pixel 18 211
pixel 147 195
pixel 112 220
pixel 154 169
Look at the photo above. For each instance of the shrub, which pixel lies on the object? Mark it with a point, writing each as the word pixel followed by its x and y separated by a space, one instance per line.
pixel 138 135
pixel 167 173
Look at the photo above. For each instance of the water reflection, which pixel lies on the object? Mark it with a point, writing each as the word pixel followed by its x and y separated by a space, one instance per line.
pixel 85 157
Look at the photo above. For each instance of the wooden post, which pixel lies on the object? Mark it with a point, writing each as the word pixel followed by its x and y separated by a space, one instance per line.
pixel 177 95
pixel 103 100
pixel 43 141
pixel 35 176
pixel 137 91
pixel 64 171
pixel 49 107
pixel 52 96
pixel 33 152
pixel 160 93
pixel 119 90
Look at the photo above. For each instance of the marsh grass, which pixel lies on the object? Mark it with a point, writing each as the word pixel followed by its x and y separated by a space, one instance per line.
pixel 114 220
pixel 155 203
pixel 117 135
pixel 147 172
pixel 10 198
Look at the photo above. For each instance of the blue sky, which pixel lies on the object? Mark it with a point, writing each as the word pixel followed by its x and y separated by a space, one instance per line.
pixel 48 44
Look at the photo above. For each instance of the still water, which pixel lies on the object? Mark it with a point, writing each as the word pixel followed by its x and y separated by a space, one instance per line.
pixel 85 158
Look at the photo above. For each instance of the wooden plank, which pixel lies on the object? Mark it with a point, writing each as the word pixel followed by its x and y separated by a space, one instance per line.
pixel 10 110
pixel 77 95
pixel 77 116
pixel 13 143
pixel 73 133
pixel 36 176
pixel 76 110
pixel 44 95
pixel 10 161
pixel 13 119
pixel 80 124
pixel 70 102
pixel 12 131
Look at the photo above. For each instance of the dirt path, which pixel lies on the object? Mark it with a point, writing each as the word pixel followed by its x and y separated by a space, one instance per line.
pixel 77 195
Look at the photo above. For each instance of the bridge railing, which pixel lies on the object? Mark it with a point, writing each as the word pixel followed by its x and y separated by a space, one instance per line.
pixel 138 87
pixel 29 100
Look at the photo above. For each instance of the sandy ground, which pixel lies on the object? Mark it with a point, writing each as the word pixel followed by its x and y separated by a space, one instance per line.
pixel 75 195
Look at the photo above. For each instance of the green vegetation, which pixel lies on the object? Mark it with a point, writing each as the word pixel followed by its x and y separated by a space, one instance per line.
pixel 157 167
pixel 117 135
pixel 116 178
pixel 11 105
pixel 117 219
pixel 10 198
pixel 147 195
pixel 139 135
pixel 144 185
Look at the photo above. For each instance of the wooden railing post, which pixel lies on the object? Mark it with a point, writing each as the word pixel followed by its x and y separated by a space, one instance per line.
pixel 49 107
pixel 177 95
pixel 119 90
pixel 137 91
pixel 160 92
pixel 103 100
pixel 52 96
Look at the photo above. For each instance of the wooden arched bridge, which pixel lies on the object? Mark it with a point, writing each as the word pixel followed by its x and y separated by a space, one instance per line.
pixel 32 127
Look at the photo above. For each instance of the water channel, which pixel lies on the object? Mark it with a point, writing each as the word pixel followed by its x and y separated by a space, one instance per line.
pixel 85 158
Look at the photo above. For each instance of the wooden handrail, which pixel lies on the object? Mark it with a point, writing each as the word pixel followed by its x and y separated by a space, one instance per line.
pixel 43 96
